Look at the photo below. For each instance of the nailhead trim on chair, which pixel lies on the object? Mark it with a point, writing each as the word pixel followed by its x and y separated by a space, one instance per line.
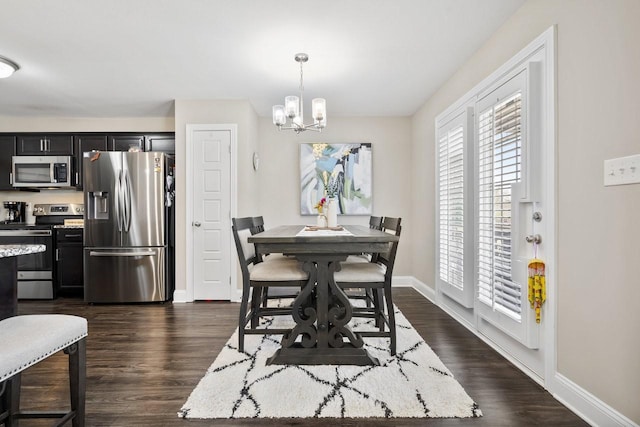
pixel 43 324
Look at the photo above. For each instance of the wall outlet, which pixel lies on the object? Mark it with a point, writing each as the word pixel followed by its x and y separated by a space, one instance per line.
pixel 623 170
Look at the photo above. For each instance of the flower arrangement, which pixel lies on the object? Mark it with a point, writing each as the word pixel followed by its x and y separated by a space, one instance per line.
pixel 320 205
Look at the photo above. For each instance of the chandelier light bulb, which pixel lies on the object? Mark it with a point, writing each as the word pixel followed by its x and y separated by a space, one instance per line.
pixel 292 106
pixel 279 116
pixel 318 109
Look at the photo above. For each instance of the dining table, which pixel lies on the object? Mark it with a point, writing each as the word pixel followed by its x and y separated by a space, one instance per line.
pixel 321 311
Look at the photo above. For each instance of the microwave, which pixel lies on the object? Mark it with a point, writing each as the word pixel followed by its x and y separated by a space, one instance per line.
pixel 41 171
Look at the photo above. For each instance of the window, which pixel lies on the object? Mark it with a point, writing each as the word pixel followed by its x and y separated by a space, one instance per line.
pixel 453 222
pixel 495 160
pixel 499 168
pixel 483 203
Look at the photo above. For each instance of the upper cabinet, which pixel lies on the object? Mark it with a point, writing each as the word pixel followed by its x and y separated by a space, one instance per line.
pixel 86 143
pixel 41 144
pixel 125 143
pixel 59 144
pixel 7 149
pixel 165 143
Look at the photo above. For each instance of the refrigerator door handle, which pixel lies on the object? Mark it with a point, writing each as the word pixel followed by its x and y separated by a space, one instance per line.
pixel 127 202
pixel 137 253
pixel 116 201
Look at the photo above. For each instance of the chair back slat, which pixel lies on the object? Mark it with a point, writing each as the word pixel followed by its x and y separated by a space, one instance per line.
pixel 392 226
pixel 258 224
pixel 375 222
pixel 242 229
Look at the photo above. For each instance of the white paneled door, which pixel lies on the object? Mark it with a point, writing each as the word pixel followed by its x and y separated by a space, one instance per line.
pixel 211 223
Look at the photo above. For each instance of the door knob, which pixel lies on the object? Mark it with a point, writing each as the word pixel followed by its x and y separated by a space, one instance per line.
pixel 196 224
pixel 534 238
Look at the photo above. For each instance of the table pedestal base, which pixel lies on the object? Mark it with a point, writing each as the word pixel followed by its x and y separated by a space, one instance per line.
pixel 298 355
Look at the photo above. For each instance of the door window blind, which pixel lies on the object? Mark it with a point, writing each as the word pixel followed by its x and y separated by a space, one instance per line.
pixel 499 167
pixel 451 206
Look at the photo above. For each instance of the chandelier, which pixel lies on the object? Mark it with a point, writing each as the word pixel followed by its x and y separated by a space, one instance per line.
pixel 292 108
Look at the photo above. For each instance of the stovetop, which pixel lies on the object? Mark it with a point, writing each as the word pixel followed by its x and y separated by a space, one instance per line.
pixel 49 215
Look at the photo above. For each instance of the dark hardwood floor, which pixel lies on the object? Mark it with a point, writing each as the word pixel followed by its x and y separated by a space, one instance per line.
pixel 143 361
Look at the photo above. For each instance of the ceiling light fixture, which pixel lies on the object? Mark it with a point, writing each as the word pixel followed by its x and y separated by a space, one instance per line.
pixel 7 67
pixel 292 108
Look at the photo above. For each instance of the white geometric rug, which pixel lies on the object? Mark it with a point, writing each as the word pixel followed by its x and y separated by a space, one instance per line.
pixel 414 383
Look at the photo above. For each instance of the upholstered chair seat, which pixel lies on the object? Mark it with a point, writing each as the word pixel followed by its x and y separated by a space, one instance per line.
pixel 29 339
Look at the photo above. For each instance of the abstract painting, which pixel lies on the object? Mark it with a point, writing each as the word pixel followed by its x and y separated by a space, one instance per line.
pixel 342 171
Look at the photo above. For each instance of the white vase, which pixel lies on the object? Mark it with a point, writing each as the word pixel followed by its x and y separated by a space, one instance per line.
pixel 332 212
pixel 322 221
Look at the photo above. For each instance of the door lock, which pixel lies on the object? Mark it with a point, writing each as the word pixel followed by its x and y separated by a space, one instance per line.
pixel 196 224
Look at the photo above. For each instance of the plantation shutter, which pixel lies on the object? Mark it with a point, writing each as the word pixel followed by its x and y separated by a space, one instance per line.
pixel 452 175
pixel 499 167
pixel 451 207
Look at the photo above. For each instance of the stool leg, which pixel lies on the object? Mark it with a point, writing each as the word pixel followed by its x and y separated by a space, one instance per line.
pixel 77 380
pixel 12 400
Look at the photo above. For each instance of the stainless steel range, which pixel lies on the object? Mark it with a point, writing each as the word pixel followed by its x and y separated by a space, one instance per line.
pixel 36 271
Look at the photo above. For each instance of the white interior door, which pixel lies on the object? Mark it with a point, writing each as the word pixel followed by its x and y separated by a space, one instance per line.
pixel 211 214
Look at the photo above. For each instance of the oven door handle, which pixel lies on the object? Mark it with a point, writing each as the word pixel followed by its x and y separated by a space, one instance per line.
pixel 136 253
pixel 24 233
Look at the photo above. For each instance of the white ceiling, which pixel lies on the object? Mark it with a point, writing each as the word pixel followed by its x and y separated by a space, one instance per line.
pixel 132 58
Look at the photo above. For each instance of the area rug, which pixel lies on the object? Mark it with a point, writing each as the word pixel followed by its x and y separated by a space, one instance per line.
pixel 414 383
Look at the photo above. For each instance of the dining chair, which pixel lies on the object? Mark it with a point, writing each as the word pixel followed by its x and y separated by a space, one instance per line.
pixel 257 274
pixel 375 223
pixel 375 276
pixel 271 292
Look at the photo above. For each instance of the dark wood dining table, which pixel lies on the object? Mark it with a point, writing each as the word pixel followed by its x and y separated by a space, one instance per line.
pixel 322 310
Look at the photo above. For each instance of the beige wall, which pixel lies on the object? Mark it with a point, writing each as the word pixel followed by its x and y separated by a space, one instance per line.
pixel 243 115
pixel 279 172
pixel 598 100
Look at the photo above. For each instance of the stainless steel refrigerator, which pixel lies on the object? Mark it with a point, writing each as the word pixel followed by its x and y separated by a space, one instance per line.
pixel 128 254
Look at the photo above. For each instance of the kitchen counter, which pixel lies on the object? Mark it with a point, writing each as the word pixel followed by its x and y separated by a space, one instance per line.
pixel 8 276
pixel 23 226
pixel 15 250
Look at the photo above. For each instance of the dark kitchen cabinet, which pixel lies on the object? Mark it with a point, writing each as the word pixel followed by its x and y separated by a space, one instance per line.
pixel 68 265
pixel 7 149
pixel 41 144
pixel 165 143
pixel 86 143
pixel 125 143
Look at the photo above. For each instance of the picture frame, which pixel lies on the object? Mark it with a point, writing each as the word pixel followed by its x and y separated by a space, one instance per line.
pixel 342 171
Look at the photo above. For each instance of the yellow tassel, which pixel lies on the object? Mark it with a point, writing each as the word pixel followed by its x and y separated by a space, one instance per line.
pixel 537 287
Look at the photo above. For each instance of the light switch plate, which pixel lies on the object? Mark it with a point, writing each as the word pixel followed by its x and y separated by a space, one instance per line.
pixel 621 171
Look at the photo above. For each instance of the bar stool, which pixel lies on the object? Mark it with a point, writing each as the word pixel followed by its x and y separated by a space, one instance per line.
pixel 29 339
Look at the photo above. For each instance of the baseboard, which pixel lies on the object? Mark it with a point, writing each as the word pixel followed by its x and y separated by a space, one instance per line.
pixel 412 282
pixel 586 405
pixel 180 295
pixel 575 398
